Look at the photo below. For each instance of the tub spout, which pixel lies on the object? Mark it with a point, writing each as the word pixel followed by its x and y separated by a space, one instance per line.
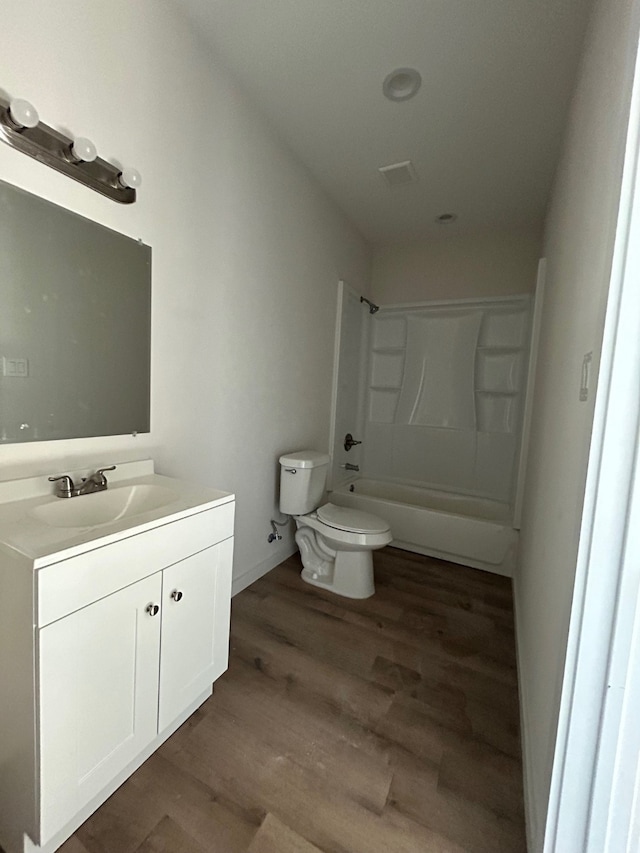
pixel 349 467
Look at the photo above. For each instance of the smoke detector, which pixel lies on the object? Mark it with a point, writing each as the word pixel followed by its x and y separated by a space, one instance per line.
pixel 401 84
pixel 399 174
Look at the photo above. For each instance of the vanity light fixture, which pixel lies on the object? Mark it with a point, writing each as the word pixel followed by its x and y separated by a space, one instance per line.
pixel 21 128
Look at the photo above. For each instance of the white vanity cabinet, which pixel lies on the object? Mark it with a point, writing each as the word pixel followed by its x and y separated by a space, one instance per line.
pixel 195 628
pixel 123 643
pixel 98 698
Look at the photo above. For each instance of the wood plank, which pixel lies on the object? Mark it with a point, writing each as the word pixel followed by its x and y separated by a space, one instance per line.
pixel 311 681
pixel 415 792
pixel 394 676
pixel 261 709
pixel 497 727
pixel 225 754
pixel 209 816
pixel 122 822
pixel 392 628
pixel 484 775
pixel 424 730
pixel 275 837
pixel 324 636
pixel 469 677
pixel 168 836
pixel 285 581
pixel 73 845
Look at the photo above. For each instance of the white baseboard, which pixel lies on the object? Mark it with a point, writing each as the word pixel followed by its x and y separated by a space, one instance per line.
pixel 531 811
pixel 253 574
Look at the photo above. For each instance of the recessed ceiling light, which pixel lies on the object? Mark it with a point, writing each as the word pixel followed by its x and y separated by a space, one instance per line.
pixel 401 84
pixel 446 218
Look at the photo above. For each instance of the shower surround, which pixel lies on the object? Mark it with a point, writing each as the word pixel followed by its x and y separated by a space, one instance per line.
pixel 440 393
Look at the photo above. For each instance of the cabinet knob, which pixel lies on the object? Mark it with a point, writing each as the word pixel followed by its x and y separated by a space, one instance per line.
pixel 176 595
pixel 153 609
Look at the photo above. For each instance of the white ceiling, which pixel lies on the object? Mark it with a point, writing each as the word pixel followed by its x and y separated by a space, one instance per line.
pixel 483 132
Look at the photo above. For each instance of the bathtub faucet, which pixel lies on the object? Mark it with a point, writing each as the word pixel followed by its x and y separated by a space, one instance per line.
pixel 350 441
pixel 349 467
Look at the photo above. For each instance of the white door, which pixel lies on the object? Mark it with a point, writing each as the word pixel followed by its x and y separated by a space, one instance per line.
pixel 98 692
pixel 196 595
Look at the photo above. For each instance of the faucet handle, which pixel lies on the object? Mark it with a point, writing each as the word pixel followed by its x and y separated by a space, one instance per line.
pixel 349 441
pixel 66 486
pixel 99 478
pixel 110 468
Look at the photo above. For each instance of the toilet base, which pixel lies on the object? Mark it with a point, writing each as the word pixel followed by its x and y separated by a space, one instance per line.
pixel 352 575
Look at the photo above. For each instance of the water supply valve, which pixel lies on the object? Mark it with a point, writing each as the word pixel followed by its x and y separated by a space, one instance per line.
pixel 275 535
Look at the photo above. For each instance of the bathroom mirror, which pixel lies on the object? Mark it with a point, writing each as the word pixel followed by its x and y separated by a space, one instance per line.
pixel 75 324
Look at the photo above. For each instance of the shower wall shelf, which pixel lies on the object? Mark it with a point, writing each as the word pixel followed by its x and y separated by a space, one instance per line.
pixel 445 394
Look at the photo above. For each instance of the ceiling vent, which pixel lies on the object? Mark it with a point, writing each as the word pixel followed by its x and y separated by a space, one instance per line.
pixel 399 174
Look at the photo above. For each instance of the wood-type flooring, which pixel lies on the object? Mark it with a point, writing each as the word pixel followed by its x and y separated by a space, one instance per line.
pixel 381 726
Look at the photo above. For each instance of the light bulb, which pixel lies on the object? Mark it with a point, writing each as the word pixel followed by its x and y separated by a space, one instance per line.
pixel 130 178
pixel 22 113
pixel 83 150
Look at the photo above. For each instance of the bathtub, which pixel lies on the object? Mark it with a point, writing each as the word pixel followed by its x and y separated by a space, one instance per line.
pixel 471 531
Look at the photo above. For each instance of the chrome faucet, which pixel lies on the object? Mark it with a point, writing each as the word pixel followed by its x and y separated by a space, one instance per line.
pixel 349 467
pixel 95 482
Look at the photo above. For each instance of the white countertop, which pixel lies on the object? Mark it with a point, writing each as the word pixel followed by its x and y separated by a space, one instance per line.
pixel 21 532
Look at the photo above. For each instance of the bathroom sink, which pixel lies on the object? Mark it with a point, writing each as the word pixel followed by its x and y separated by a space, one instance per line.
pixel 105 507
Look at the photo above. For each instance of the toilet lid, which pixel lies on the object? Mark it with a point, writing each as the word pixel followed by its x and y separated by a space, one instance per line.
pixel 351 519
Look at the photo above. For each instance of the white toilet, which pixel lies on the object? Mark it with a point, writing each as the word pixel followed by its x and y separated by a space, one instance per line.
pixel 335 542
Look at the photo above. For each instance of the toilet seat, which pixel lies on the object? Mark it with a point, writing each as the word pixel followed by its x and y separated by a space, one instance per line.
pixel 365 532
pixel 351 520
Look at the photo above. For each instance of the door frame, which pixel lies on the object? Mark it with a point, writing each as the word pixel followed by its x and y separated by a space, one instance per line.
pixel 596 753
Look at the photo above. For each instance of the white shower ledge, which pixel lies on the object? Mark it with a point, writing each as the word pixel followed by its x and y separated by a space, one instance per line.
pixel 35 523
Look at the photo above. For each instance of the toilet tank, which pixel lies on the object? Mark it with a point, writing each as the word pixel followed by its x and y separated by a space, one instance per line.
pixel 303 477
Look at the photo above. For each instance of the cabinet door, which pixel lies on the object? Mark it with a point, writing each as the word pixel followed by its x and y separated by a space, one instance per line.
pixel 98 681
pixel 195 628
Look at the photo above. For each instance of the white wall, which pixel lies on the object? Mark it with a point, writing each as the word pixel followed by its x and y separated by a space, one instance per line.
pixel 457 266
pixel 247 249
pixel 578 245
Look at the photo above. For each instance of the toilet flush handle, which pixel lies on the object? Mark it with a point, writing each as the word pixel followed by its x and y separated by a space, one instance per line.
pixel 291 470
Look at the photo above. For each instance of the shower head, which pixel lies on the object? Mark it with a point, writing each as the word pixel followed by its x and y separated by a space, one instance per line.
pixel 372 306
